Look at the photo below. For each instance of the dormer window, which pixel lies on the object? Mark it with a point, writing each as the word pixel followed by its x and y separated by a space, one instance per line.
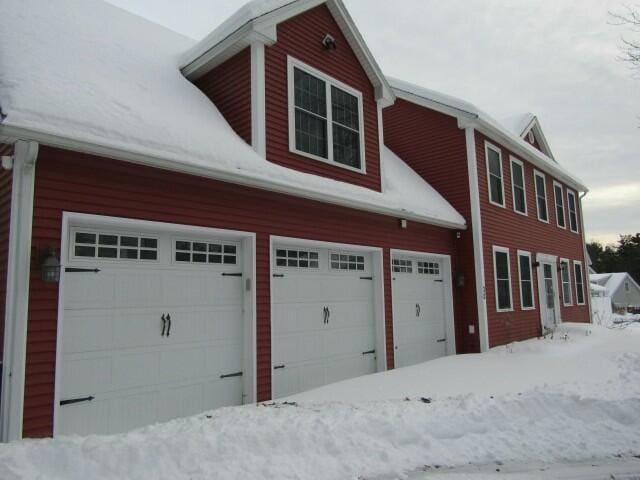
pixel 325 118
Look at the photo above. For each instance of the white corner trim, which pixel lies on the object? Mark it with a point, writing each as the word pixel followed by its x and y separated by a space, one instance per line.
pixel 17 299
pixel 380 105
pixel 478 252
pixel 587 294
pixel 258 96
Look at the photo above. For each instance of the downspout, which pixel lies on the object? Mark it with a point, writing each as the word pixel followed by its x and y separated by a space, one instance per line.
pixel 476 226
pixel 17 299
pixel 586 288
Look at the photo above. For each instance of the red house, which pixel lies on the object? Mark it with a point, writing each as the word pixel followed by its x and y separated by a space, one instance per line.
pixel 192 225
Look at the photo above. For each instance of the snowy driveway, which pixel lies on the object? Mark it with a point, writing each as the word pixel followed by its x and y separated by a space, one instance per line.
pixel 569 399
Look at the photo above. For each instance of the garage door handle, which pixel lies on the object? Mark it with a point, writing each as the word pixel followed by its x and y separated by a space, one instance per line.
pixel 168 324
pixel 231 375
pixel 164 325
pixel 71 401
pixel 369 352
pixel 417 309
pixel 278 367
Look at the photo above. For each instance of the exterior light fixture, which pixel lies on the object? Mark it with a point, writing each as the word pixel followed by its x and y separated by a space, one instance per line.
pixel 328 42
pixel 403 223
pixel 51 267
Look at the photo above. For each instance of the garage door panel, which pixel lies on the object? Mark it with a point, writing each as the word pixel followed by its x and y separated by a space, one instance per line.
pixel 89 290
pixel 292 349
pixel 298 317
pixel 134 368
pixel 84 418
pixel 349 367
pixel 350 341
pixel 87 331
pixel 222 392
pixel 138 289
pixel 132 411
pixel 85 376
pixel 223 359
pixel 180 401
pixel 137 328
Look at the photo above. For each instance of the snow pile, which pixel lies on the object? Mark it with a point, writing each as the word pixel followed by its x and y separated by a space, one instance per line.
pixel 86 71
pixel 572 397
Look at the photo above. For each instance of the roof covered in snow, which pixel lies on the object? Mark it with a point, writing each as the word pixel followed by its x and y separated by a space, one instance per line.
pixel 612 281
pixel 518 124
pixel 486 123
pixel 88 76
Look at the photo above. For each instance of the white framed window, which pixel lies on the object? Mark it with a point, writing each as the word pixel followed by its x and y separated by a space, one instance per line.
pixel 429 268
pixel 402 266
pixel 347 261
pixel 579 282
pixel 565 276
pixel 297 258
pixel 558 196
pixel 572 205
pixel 495 177
pixel 541 196
pixel 205 252
pixel 113 246
pixel 525 273
pixel 502 279
pixel 518 187
pixel 326 118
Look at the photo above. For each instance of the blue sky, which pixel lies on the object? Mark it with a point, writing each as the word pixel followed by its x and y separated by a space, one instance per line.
pixel 557 59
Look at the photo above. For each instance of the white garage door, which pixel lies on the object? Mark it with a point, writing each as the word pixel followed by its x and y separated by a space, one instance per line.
pixel 419 310
pixel 323 318
pixel 155 334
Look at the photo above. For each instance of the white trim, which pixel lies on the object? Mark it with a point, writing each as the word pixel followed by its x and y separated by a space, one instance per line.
pixel 258 96
pixel 478 252
pixel 537 173
pixel 329 82
pixel 377 256
pixel 575 203
pixel 497 249
pixel 17 294
pixel 585 256
pixel 566 262
pixel 543 258
pixel 575 282
pixel 381 145
pixel 71 220
pixel 523 253
pixel 513 160
pixel 447 277
pixel 555 205
pixel 489 146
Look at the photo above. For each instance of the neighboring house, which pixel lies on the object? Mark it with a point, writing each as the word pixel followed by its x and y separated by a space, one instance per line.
pixel 590 264
pixel 623 290
pixel 190 225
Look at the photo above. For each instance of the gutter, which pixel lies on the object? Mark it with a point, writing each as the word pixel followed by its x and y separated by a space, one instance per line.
pixel 238 179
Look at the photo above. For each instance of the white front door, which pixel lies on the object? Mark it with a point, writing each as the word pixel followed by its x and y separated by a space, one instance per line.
pixel 323 321
pixel 419 309
pixel 548 295
pixel 152 329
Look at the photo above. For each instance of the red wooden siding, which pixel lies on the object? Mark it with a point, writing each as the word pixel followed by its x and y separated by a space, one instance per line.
pixel 6 178
pixel 228 86
pixel 433 145
pixel 67 181
pixel 503 227
pixel 301 38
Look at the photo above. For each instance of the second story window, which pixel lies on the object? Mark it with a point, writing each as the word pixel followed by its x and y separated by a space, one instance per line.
pixel 326 118
pixel 541 196
pixel 518 187
pixel 559 199
pixel 573 212
pixel 494 174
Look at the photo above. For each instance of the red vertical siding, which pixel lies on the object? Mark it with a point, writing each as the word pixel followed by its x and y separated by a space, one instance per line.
pixel 433 145
pixel 67 181
pixel 301 37
pixel 229 88
pixel 503 227
pixel 5 217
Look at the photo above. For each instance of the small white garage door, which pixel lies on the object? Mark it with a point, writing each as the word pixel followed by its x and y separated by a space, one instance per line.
pixel 419 309
pixel 323 320
pixel 154 333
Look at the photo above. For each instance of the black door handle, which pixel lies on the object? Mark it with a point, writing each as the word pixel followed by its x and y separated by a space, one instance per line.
pixel 168 324
pixel 417 309
pixel 164 325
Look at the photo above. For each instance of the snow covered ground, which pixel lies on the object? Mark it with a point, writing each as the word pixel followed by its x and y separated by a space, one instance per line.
pixel 571 398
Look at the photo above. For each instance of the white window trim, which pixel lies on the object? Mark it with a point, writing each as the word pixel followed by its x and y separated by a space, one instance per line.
pixel 523 253
pixel 564 300
pixel 524 187
pixel 575 204
pixel 97 231
pixel 329 82
pixel 575 280
pixel 488 146
pixel 497 249
pixel 537 173
pixel 555 205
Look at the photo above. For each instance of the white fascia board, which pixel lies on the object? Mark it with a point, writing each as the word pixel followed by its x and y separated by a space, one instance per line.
pixel 461 115
pixel 221 175
pixel 258 100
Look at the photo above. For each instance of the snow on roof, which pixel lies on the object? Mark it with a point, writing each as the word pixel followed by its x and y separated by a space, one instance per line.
pixel 88 75
pixel 612 281
pixel 518 123
pixel 461 108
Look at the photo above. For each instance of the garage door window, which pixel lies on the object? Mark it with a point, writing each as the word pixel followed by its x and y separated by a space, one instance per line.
pixel 216 253
pixel 429 268
pixel 341 261
pixel 114 246
pixel 297 258
pixel 402 266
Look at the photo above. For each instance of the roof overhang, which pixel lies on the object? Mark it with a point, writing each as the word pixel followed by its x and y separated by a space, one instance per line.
pixel 211 52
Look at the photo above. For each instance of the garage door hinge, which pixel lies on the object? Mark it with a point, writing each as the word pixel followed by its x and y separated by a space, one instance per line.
pixel 439 281
pixel 78 270
pixel 71 401
pixel 278 367
pixel 232 274
pixel 369 352
pixel 366 278
pixel 231 375
pixel 278 275
pixel 442 340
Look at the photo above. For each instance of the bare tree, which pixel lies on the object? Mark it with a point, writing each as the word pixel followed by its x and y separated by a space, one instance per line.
pixel 629 16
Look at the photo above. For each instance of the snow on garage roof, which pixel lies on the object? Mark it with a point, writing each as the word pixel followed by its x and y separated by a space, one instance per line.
pixel 486 123
pixel 88 76
pixel 612 281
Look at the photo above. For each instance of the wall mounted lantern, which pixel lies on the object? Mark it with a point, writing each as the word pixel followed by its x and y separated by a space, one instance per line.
pixel 51 267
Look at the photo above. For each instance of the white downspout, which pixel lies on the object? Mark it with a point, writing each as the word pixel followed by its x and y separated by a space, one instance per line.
pixel 585 266
pixel 17 300
pixel 476 226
